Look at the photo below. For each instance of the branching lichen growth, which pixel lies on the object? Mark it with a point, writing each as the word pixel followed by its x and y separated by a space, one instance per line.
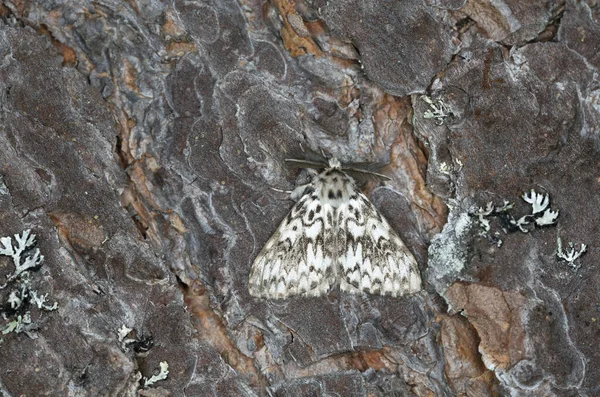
pixel 571 254
pixel 18 295
pixel 541 215
pixel 39 302
pixel 20 324
pixel 439 111
pixel 538 201
pixel 489 211
pixel 24 243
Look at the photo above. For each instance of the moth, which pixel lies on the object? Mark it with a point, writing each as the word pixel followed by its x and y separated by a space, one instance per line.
pixel 333 236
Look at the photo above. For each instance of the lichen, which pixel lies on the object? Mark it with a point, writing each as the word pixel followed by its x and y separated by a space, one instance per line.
pixel 162 375
pixel 541 215
pixel 439 111
pixel 130 340
pixel 571 254
pixel 20 296
pixel 25 242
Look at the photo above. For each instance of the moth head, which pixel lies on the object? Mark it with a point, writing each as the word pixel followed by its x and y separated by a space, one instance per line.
pixel 334 163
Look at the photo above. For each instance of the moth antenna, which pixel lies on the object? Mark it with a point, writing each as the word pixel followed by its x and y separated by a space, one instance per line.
pixel 306 163
pixel 377 174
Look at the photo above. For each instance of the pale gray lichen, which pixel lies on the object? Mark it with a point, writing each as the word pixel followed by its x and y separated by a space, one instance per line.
pixel 20 324
pixel 162 375
pixel 40 300
pixel 571 254
pixel 481 215
pixel 123 332
pixel 548 218
pixel 538 201
pixel 20 295
pixel 132 341
pixel 491 210
pixel 25 242
pixel 444 168
pixel 14 300
pixel 448 254
pixel 438 111
pixel 541 215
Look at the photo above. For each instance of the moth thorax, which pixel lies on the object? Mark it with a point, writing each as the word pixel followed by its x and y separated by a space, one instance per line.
pixel 334 189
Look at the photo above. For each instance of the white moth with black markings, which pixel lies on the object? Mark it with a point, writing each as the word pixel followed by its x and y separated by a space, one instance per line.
pixel 333 236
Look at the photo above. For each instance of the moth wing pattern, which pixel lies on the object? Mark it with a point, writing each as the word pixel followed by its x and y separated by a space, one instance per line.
pixel 333 235
pixel 298 259
pixel 371 256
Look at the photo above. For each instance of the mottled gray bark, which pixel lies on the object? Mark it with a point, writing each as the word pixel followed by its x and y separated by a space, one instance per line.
pixel 143 143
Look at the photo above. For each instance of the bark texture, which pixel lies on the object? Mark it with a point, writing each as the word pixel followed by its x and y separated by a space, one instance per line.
pixel 143 143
